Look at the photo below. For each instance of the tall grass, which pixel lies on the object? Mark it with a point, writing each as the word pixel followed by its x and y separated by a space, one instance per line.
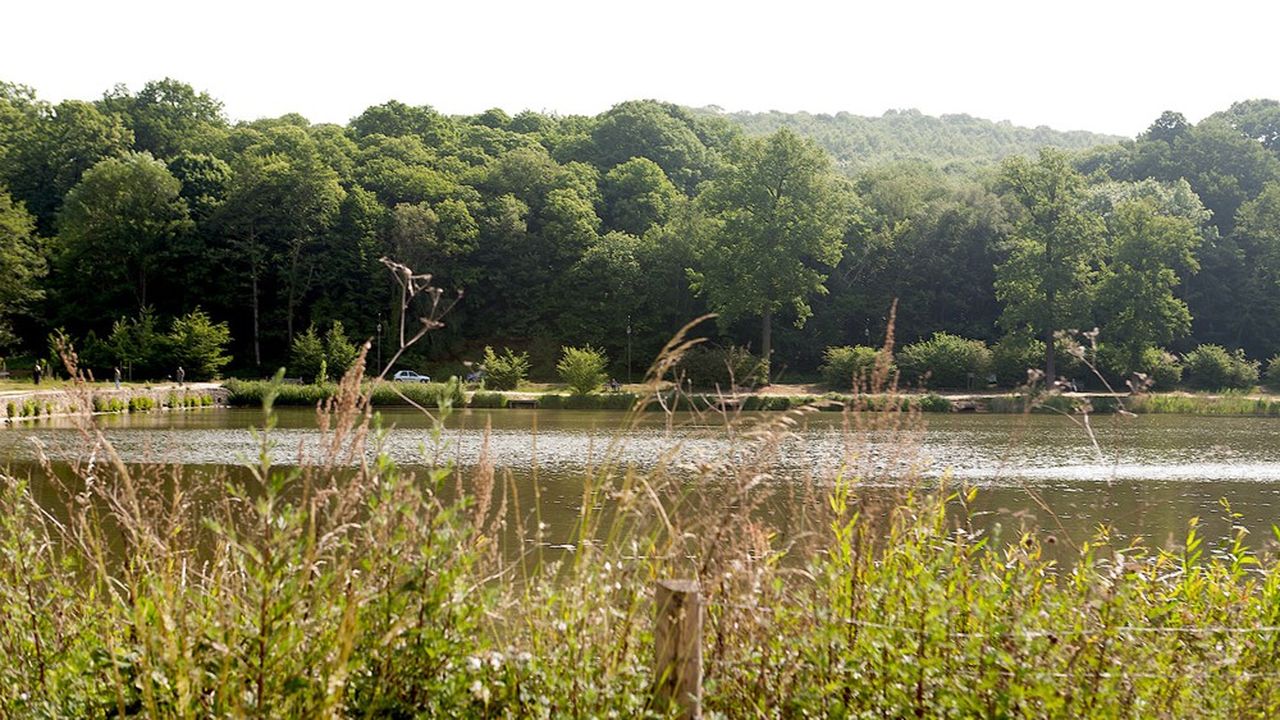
pixel 345 586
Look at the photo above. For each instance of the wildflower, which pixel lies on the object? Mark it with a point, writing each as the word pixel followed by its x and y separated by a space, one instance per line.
pixel 473 663
pixel 480 692
pixel 561 626
pixel 495 659
pixel 525 657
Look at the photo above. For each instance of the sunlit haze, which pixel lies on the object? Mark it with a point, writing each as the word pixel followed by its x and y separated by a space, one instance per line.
pixel 1101 66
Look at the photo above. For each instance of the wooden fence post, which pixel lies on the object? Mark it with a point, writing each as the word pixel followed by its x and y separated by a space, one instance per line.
pixel 677 640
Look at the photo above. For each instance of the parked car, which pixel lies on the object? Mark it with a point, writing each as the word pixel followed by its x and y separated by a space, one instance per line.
pixel 410 376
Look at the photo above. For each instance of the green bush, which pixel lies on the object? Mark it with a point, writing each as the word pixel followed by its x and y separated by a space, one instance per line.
pixel 1272 377
pixel 1013 356
pixel 934 403
pixel 199 345
pixel 945 361
pixel 582 369
pixel 11 410
pixel 1212 367
pixel 141 403
pixel 339 352
pixel 844 366
pixel 1162 367
pixel 710 366
pixel 482 399
pixel 505 371
pixel 307 355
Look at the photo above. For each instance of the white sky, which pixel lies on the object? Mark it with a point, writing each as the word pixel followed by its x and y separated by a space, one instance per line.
pixel 1108 66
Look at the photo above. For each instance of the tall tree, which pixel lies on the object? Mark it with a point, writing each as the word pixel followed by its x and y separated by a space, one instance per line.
pixel 21 265
pixel 1047 281
pixel 116 235
pixel 782 213
pixel 1136 301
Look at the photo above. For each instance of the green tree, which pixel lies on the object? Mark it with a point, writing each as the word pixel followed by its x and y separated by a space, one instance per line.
pixel 637 196
pixel 199 345
pixel 306 355
pixel 1047 282
pixel 782 214
pixel 116 237
pixel 169 117
pixel 22 266
pixel 1136 300
pixel 582 369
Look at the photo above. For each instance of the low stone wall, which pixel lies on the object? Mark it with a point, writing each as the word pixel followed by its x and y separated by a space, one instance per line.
pixel 106 399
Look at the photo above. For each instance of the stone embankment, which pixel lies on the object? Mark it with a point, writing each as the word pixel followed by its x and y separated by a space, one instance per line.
pixel 21 405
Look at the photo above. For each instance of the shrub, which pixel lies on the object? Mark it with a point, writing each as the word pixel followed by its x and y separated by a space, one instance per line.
pixel 11 410
pixel 339 352
pixel 488 400
pixel 934 403
pixel 1272 377
pixel 1162 367
pixel 1013 356
pixel 582 369
pixel 506 371
pixel 141 403
pixel 844 366
pixel 945 361
pixel 710 366
pixel 199 345
pixel 306 356
pixel 1212 367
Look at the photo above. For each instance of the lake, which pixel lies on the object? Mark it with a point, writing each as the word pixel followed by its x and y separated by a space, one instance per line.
pixel 1145 477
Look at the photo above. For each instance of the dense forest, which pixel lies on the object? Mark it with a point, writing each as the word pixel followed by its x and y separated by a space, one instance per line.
pixel 957 143
pixel 122 215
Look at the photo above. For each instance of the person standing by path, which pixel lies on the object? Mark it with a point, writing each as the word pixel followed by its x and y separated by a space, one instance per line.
pixel 181 375
pixel 117 377
pixel 36 372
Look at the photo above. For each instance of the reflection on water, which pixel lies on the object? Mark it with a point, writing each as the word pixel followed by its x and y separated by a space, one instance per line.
pixel 1147 476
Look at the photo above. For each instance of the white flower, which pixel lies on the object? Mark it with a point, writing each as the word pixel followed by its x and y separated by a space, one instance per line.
pixel 524 657
pixel 561 626
pixel 495 660
pixel 473 663
pixel 479 691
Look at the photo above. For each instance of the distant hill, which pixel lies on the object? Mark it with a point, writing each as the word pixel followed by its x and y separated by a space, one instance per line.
pixel 858 141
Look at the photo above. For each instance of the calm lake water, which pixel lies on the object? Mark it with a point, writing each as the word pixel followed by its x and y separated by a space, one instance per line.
pixel 1146 477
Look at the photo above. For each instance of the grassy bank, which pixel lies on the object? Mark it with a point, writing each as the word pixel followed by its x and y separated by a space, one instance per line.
pixel 346 587
pixel 430 395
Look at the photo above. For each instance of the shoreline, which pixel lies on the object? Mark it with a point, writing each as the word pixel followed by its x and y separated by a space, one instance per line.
pixel 22 405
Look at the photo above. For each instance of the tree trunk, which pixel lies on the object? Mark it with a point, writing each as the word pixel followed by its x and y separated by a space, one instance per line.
pixel 257 347
pixel 1049 369
pixel 766 343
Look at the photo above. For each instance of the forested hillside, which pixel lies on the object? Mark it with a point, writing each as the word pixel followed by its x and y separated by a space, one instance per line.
pixel 858 142
pixel 123 215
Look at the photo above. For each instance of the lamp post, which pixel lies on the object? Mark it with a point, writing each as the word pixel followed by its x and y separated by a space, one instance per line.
pixel 628 349
pixel 379 344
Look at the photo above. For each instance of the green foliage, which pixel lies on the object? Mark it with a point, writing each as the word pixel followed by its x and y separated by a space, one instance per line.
pixel 781 216
pixel 1212 367
pixel 198 345
pixel 481 399
pixel 1271 378
pixel 141 403
pixel 22 265
pixel 429 395
pixel 845 367
pixel 307 355
pixel 582 369
pixel 1162 367
pixel 1047 281
pixel 707 366
pixel 945 361
pixel 1013 356
pixel 506 371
